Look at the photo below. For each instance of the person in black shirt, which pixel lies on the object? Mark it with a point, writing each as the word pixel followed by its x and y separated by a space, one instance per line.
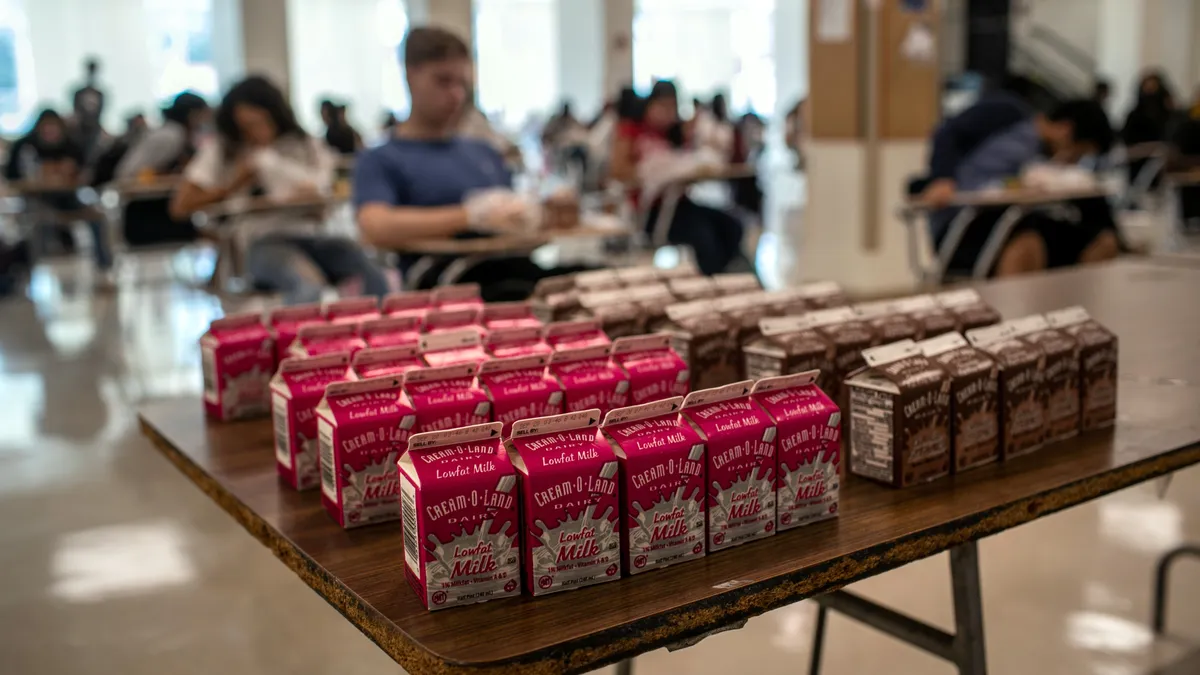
pixel 47 155
pixel 87 106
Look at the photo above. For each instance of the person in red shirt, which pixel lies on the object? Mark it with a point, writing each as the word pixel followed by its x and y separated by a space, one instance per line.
pixel 653 132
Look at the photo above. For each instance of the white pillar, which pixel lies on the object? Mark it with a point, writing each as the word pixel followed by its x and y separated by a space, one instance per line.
pixel 618 45
pixel 581 54
pixel 791 54
pixel 265 39
pixel 227 43
pixel 455 16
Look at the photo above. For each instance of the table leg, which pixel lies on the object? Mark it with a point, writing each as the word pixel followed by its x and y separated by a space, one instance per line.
pixel 818 647
pixel 625 667
pixel 964 649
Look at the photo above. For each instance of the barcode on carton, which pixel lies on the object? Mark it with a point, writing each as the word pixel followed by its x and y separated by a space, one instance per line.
pixel 208 360
pixel 408 512
pixel 328 469
pixel 283 449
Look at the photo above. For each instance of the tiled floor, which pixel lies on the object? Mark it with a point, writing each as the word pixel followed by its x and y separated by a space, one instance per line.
pixel 114 563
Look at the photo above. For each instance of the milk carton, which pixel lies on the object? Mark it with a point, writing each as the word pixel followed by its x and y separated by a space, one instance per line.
pixel 414 303
pixel 453 348
pixel 932 319
pixel 519 388
pixel 1022 385
pixel 384 361
pixel 970 310
pixel 808 447
pixel 447 320
pixel 570 502
pixel 1061 377
pixel 457 297
pixel 497 315
pixel 458 499
pixel 655 371
pixel 576 334
pixel 296 390
pixel 740 470
pixel 614 310
pixel 285 323
pixel 446 398
pixel 974 400
pixel 590 379
pixel 823 295
pixel 237 358
pixel 362 429
pixel 507 342
pixel 662 485
pixel 393 331
pixel 706 339
pixel 1097 365
pixel 327 338
pixel 352 310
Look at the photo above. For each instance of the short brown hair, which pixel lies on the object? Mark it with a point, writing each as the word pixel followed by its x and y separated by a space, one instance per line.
pixel 429 44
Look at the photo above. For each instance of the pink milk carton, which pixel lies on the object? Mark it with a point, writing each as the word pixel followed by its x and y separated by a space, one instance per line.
pixel 590 379
pixel 458 498
pixel 296 390
pixel 446 398
pixel 662 484
pixel 509 315
pixel 808 447
pixel 655 370
pixel 392 331
pixel 352 310
pixel 285 323
pixel 453 348
pixel 237 358
pixel 741 463
pixel 457 297
pixel 384 361
pixel 413 303
pixel 506 342
pixel 569 500
pixel 362 429
pixel 576 334
pixel 519 388
pixel 446 320
pixel 327 338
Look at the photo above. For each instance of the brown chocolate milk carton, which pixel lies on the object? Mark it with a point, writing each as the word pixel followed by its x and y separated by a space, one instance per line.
pixel 652 300
pixel 899 417
pixel 693 288
pixel 662 484
pixel 617 315
pixel 744 311
pixel 597 280
pixel 786 302
pixel 791 344
pixel 886 323
pixel 823 295
pixel 682 270
pixel 704 339
pixel 740 438
pixel 570 501
pixel 633 277
pixel 736 283
pixel 1097 365
pixel 555 298
pixel 932 319
pixel 968 308
pixel 1022 388
pixel 974 399
pixel 1062 374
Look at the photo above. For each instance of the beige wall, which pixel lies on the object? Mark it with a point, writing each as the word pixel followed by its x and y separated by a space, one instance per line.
pixel 265 39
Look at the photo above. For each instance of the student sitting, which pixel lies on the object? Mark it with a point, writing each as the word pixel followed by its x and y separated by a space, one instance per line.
pixel 646 151
pixel 427 181
pixel 48 156
pixel 260 145
pixel 992 141
pixel 338 133
pixel 163 151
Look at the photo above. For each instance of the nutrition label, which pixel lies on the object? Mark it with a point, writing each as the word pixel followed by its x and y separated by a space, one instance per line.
pixel 283 448
pixel 328 469
pixel 871 431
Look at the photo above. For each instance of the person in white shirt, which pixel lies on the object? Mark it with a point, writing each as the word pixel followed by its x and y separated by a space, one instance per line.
pixel 260 148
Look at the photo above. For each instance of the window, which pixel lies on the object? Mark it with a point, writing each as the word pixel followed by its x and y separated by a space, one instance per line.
pixel 18 94
pixel 393 25
pixel 516 55
pixel 180 34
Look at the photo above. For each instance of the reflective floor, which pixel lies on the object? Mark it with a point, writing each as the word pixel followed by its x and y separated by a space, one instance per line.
pixel 114 563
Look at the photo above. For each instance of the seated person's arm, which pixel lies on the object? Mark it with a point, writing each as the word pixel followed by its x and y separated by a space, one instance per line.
pixel 384 221
pixel 203 185
pixel 315 172
pixel 155 152
pixel 622 166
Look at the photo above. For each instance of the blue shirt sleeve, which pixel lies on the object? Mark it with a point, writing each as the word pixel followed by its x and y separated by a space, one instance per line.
pixel 376 182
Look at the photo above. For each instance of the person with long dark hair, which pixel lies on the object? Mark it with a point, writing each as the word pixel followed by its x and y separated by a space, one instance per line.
pixel 655 134
pixel 166 149
pixel 48 155
pixel 261 147
pixel 1149 119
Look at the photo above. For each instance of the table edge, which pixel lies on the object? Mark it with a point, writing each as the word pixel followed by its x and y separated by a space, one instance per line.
pixel 616 644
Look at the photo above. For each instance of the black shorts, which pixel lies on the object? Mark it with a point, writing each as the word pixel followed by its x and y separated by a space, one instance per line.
pixel 1065 238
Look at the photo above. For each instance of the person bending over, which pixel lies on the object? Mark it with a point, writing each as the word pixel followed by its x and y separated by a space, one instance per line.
pixel 647 146
pixel 260 146
pixel 49 157
pixel 991 142
pixel 427 181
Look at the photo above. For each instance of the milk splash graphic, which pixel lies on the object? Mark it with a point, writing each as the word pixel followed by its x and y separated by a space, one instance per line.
pixel 458 498
pixel 662 478
pixel 570 503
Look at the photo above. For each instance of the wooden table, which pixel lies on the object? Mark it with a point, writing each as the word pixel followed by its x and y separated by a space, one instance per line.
pixel 1014 202
pixel 254 205
pixel 360 572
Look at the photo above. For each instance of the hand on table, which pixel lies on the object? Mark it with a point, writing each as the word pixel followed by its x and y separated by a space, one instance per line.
pixel 501 211
pixel 939 193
